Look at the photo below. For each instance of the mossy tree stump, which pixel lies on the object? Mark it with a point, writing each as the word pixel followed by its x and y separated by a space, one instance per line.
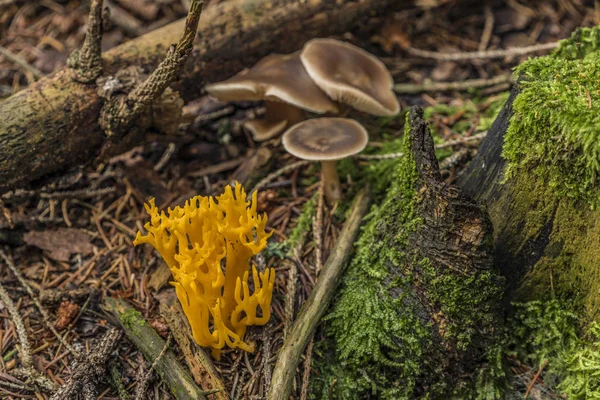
pixel 538 171
pixel 420 305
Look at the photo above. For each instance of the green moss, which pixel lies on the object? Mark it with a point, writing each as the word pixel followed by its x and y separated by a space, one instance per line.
pixel 304 223
pixel 554 132
pixel 548 332
pixel 377 343
pixel 132 320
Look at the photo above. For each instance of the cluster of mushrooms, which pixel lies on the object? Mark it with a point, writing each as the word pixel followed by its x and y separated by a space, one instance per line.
pixel 322 78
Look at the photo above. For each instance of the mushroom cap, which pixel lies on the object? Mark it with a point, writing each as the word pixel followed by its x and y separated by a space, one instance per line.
pixel 278 78
pixel 325 139
pixel 264 129
pixel 350 75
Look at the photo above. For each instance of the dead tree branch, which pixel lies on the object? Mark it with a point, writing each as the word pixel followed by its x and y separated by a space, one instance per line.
pixel 53 124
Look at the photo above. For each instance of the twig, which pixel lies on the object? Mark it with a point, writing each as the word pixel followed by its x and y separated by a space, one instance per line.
pixel 37 303
pixel 90 368
pixel 145 338
pixel 166 157
pixel 318 229
pixel 487 27
pixel 142 386
pixel 306 374
pixel 284 170
pixel 479 55
pixel 535 377
pixel 115 378
pixel 467 139
pixel 21 62
pixel 201 366
pixel 379 156
pixel 317 302
pixel 86 63
pixel 447 86
pixel 25 350
pixel 118 116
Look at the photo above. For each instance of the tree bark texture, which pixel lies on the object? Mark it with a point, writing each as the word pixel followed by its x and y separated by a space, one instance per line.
pixel 53 124
pixel 560 257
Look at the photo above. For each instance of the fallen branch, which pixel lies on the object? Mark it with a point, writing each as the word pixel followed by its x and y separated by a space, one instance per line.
pixel 480 55
pixel 409 88
pixel 54 123
pixel 90 369
pixel 317 302
pixel 198 361
pixel 145 338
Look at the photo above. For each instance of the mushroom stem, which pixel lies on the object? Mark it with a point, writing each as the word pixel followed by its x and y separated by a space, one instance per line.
pixel 277 111
pixel 333 188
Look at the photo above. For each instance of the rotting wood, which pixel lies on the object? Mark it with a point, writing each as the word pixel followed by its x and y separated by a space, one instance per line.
pixel 145 338
pixel 316 304
pixel 53 124
pixel 199 362
pixel 91 368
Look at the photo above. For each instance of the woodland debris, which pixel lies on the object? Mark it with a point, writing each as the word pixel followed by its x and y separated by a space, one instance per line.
pixel 198 361
pixel 71 134
pixel 61 243
pixel 141 334
pixel 90 369
pixel 312 311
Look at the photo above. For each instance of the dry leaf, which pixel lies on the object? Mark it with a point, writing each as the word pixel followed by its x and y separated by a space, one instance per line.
pixel 61 243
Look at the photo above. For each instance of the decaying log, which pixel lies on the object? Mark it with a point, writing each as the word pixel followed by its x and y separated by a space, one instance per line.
pixel 53 124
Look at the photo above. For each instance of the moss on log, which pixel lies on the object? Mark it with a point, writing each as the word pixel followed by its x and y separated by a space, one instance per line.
pixel 53 124
pixel 418 313
pixel 538 171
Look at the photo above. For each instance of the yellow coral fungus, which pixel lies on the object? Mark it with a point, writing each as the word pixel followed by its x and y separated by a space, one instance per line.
pixel 196 241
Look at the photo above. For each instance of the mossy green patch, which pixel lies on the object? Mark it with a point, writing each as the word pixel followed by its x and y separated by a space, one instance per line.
pixel 554 132
pixel 549 332
pixel 378 342
pixel 132 320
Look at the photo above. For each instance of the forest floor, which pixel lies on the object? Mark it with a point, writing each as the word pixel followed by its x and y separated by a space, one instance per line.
pixel 75 230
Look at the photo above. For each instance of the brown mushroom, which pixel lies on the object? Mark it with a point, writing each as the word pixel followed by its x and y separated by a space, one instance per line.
pixel 350 75
pixel 282 82
pixel 326 140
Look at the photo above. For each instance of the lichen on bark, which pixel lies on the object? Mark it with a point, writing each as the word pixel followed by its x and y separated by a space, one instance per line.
pixel 408 321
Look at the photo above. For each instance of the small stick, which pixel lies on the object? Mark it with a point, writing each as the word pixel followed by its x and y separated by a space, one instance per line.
pixel 379 156
pixel 86 63
pixel 316 304
pixel 25 353
pixel 318 229
pixel 535 377
pixel 145 338
pixel 37 303
pixel 306 374
pixel 479 55
pixel 142 386
pixel 467 139
pixel 447 86
pixel 90 368
pixel 20 61
pixel 201 366
pixel 271 177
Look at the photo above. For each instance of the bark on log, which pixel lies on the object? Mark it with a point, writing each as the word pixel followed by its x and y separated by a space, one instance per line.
pixel 538 171
pixel 53 124
pixel 420 306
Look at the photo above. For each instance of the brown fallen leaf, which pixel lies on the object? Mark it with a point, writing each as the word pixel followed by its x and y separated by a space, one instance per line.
pixel 61 243
pixel 65 314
